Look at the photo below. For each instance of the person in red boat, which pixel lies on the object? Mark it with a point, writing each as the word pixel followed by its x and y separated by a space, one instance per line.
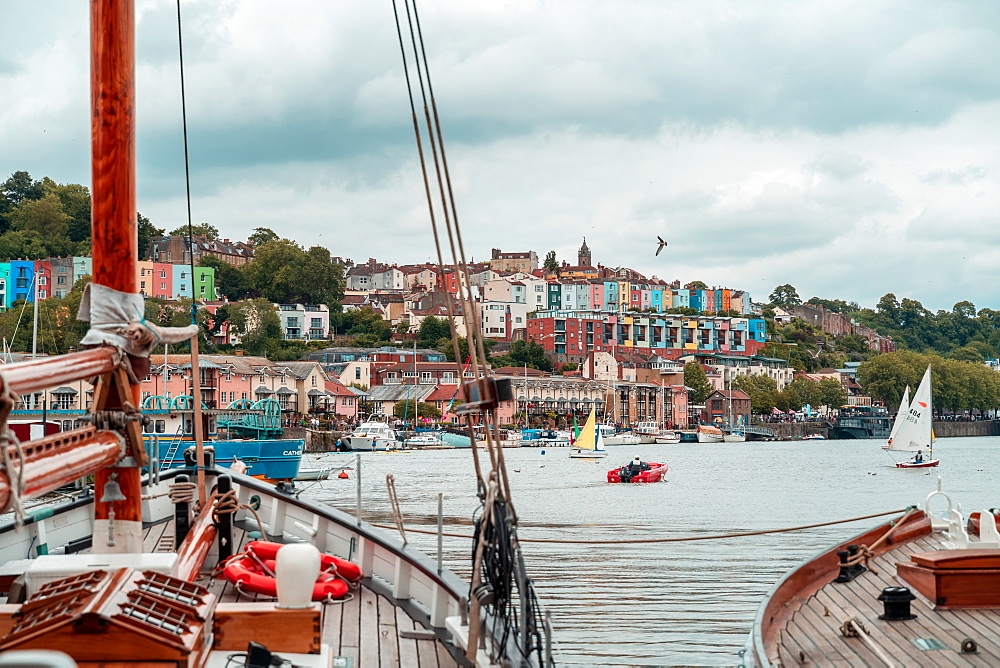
pixel 633 469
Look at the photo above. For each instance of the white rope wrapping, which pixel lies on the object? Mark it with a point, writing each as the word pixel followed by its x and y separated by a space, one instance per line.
pixel 14 475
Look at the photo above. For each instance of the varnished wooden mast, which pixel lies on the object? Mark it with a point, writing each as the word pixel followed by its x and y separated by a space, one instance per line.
pixel 118 524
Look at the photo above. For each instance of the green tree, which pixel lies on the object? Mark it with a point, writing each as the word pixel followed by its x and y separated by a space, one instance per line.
pixel 28 245
pixel 432 330
pixel 367 327
pixel 551 265
pixel 200 230
pixel 261 236
pixel 44 216
pixel 761 389
pixel 147 231
pixel 406 407
pixel 285 273
pixel 832 393
pixel 20 187
pixel 230 281
pixel 803 391
pixel 75 201
pixel 785 296
pixel 885 377
pixel 696 379
pixel 529 353
pixel 697 285
pixel 835 305
pixel 256 323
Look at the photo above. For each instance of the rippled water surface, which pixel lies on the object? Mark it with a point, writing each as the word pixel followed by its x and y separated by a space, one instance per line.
pixel 650 604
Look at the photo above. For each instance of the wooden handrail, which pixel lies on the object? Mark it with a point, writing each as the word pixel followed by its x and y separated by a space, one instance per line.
pixel 41 374
pixel 56 461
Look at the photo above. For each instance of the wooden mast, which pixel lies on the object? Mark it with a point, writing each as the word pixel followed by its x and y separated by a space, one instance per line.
pixel 117 524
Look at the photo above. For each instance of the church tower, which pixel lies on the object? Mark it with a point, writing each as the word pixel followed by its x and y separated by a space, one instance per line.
pixel 583 256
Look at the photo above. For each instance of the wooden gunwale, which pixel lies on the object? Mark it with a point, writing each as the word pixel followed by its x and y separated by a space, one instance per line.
pixel 803 582
pixel 812 633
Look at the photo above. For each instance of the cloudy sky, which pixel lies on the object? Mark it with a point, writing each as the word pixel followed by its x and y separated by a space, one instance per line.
pixel 848 148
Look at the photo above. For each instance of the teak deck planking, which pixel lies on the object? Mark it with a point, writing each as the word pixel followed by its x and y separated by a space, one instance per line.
pixel 812 635
pixel 365 628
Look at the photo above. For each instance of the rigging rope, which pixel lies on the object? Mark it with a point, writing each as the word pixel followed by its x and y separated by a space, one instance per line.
pixel 741 534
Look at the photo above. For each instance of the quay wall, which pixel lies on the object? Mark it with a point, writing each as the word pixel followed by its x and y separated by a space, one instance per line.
pixel 791 431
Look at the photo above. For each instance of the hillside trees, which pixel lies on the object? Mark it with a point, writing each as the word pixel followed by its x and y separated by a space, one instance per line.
pixel 283 272
pixel 229 280
pixel 256 323
pixel 200 230
pixel 762 390
pixel 524 353
pixel 432 330
pixel 958 385
pixel 785 296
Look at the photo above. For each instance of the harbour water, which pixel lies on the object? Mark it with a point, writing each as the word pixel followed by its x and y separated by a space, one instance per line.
pixel 664 603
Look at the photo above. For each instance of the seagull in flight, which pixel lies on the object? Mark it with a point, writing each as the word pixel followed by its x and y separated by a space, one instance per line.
pixel 661 246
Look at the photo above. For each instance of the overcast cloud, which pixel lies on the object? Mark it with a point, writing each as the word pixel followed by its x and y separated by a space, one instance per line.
pixel 848 148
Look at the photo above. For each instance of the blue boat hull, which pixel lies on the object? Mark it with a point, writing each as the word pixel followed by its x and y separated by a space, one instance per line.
pixel 273 459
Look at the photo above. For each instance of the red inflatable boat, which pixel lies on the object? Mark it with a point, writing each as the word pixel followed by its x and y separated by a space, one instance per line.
pixel 654 473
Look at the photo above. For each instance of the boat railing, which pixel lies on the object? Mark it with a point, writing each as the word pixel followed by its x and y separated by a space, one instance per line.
pixel 421 586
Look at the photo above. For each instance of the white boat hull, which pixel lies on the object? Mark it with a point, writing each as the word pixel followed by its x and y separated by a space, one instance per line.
pixel 709 438
pixel 669 438
pixel 734 438
pixel 621 439
pixel 577 453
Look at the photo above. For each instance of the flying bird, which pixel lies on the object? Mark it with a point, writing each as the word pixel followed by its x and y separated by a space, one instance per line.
pixel 661 246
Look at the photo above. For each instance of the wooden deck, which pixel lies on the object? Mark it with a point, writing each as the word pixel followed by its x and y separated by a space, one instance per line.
pixel 813 636
pixel 367 628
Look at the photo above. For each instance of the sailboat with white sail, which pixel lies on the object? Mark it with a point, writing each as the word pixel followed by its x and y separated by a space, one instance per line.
pixel 913 430
pixel 590 443
pixel 904 406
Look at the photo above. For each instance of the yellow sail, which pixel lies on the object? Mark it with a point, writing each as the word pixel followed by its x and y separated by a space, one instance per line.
pixel 587 439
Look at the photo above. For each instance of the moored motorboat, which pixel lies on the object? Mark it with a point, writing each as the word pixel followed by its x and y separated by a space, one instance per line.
pixel 424 440
pixel 917 590
pixel 814 437
pixel 709 434
pixel 646 431
pixel 313 474
pixel 374 435
pixel 668 436
pixel 614 436
pixel 541 438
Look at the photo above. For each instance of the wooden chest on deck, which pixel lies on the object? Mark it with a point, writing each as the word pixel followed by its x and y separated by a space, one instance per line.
pixel 955 578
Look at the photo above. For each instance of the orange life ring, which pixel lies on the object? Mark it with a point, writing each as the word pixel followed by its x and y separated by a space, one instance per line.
pixel 253 570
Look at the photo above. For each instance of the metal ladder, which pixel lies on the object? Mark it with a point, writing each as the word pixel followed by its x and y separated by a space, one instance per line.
pixel 174 446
